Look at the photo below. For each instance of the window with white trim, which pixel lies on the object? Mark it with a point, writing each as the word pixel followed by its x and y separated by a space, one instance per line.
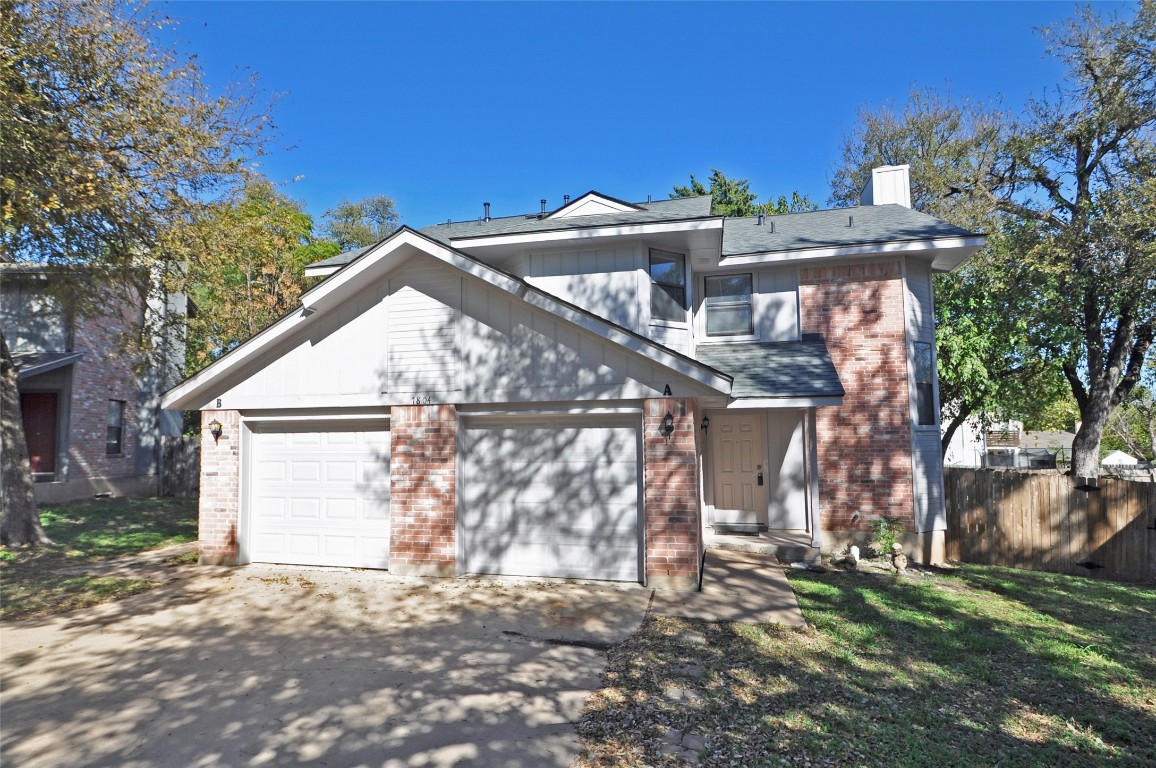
pixel 728 305
pixel 924 384
pixel 667 286
pixel 114 441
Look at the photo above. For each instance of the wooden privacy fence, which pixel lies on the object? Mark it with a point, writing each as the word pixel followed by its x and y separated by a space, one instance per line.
pixel 1041 522
pixel 180 466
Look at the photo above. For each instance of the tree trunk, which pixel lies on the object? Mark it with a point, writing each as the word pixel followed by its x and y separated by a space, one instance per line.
pixel 1086 446
pixel 20 523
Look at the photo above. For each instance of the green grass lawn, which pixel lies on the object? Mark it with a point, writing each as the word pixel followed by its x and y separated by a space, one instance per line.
pixel 89 532
pixel 980 666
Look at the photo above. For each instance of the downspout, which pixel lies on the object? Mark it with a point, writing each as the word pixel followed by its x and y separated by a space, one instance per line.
pixel 813 478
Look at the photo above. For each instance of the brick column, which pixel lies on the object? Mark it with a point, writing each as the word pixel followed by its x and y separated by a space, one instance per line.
pixel 220 498
pixel 423 490
pixel 673 524
pixel 864 445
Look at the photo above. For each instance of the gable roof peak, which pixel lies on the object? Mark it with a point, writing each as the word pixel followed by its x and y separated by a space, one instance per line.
pixel 592 203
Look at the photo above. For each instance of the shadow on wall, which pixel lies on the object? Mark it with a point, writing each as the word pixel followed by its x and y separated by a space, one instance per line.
pixel 556 495
pixel 864 444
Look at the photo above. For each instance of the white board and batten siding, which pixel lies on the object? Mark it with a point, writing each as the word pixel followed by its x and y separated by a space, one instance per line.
pixel 318 494
pixel 927 455
pixel 428 331
pixel 776 304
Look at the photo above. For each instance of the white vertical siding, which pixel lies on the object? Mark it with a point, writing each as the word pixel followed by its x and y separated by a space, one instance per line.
pixel 920 317
pixel 423 329
pixel 603 280
pixel 786 470
pixel 926 459
pixel 927 463
pixel 776 304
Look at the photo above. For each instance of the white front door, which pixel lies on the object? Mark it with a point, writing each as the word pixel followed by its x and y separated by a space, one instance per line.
pixel 738 462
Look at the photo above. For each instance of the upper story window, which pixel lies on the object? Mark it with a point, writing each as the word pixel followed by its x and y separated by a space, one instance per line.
pixel 114 443
pixel 728 305
pixel 667 286
pixel 924 385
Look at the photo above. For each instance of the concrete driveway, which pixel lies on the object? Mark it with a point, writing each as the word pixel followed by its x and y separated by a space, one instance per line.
pixel 263 666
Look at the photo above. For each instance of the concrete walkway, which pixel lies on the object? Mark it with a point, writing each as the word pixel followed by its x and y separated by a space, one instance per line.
pixel 736 586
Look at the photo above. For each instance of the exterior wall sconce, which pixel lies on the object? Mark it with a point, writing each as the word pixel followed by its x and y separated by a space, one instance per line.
pixel 215 430
pixel 667 427
pixel 705 424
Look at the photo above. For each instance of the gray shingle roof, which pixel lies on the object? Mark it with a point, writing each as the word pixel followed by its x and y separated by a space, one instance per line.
pixel 30 364
pixel 659 210
pixel 776 369
pixel 676 209
pixel 818 229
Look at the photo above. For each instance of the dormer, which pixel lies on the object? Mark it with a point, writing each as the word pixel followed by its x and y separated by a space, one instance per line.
pixel 592 204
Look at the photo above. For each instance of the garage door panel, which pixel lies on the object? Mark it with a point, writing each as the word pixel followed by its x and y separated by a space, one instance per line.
pixel 557 498
pixel 320 496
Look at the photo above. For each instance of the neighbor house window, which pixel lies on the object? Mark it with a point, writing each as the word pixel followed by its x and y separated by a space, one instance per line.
pixel 728 305
pixel 114 442
pixel 924 384
pixel 667 286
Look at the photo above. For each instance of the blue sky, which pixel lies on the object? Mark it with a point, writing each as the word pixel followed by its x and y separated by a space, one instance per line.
pixel 443 106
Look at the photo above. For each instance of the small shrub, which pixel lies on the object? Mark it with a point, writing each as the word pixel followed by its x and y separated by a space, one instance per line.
pixel 887 531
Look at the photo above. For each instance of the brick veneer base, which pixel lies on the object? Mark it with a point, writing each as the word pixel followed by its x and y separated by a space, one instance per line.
pixel 671 507
pixel 423 490
pixel 220 488
pixel 864 445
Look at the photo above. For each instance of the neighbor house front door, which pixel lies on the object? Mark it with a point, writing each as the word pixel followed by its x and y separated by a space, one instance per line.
pixel 739 469
pixel 38 410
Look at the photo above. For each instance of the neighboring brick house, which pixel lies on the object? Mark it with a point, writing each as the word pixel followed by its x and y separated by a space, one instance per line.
pixel 92 423
pixel 588 392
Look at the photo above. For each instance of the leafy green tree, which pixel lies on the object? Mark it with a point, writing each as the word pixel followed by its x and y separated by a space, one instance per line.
pixel 110 143
pixel 1132 427
pixel 249 267
pixel 361 223
pixel 733 197
pixel 796 204
pixel 1071 184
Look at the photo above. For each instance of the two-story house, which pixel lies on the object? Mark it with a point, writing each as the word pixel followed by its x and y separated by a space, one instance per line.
pixel 91 412
pixel 588 391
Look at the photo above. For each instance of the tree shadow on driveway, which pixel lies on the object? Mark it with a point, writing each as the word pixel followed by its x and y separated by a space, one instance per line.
pixel 280 666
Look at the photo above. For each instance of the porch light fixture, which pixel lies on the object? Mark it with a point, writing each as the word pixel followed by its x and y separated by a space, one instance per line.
pixel 705 424
pixel 667 427
pixel 215 430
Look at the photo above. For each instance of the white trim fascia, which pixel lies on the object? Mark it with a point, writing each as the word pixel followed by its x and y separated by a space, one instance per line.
pixel 176 398
pixel 689 368
pixel 582 233
pixel 315 417
pixel 332 292
pixel 565 211
pixel 323 271
pixel 351 280
pixel 851 251
pixel 514 413
pixel 784 402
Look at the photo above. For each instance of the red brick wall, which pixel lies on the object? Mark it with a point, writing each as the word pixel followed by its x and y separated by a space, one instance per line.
pixel 423 490
pixel 103 374
pixel 864 445
pixel 220 488
pixel 673 524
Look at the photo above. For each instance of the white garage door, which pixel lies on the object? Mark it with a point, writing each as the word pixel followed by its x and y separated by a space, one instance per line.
pixel 550 498
pixel 320 494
